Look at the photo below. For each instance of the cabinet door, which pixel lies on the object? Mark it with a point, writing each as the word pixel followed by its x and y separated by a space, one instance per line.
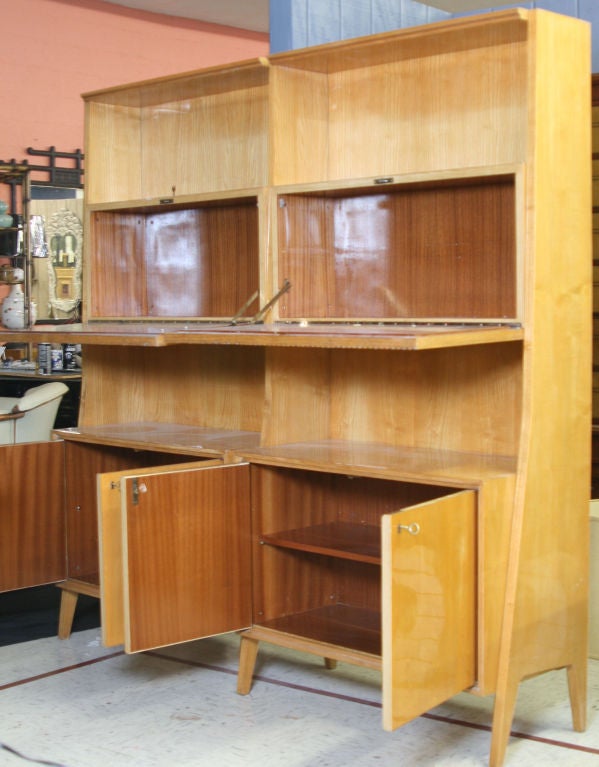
pixel 429 596
pixel 32 518
pixel 175 553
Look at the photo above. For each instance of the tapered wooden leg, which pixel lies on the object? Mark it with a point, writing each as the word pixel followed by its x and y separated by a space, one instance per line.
pixel 577 686
pixel 330 663
pixel 68 603
pixel 248 652
pixel 71 589
pixel 503 716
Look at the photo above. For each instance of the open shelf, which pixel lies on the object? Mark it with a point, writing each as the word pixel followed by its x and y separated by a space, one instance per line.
pixel 166 437
pixel 361 543
pixel 199 131
pixel 440 467
pixel 368 252
pixel 172 260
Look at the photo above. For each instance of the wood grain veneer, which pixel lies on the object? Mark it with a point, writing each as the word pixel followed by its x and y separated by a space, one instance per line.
pixel 371 253
pixel 32 520
pixel 83 463
pixel 197 261
pixel 201 131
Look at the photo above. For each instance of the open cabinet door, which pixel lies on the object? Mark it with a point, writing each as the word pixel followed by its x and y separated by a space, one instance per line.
pixel 183 539
pixel 429 598
pixel 110 544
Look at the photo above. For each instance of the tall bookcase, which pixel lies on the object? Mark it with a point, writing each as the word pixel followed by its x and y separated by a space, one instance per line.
pixel 337 354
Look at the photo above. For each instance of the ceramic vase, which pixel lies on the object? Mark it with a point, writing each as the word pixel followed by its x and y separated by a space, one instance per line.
pixel 13 308
pixel 5 219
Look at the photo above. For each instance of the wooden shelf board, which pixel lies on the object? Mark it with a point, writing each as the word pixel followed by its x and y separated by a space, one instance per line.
pixel 164 437
pixel 439 467
pixel 359 543
pixel 65 375
pixel 104 334
pixel 353 628
pixel 408 337
pixel 359 336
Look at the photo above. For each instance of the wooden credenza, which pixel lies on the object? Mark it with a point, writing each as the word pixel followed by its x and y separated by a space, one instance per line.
pixel 337 345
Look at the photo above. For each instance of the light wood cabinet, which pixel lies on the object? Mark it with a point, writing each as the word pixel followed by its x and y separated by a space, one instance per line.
pixel 351 286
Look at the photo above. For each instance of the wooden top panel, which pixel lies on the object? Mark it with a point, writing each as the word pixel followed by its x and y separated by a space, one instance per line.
pixel 491 29
pixel 440 467
pixel 203 82
pixel 327 336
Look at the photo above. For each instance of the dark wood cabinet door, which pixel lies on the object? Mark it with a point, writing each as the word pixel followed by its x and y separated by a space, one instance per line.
pixel 32 519
pixel 185 549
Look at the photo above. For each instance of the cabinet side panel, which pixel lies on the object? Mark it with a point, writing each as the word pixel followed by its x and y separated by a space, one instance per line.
pixel 32 526
pixel 548 576
pixel 496 499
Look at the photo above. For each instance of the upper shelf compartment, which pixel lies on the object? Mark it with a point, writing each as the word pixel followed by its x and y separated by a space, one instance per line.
pixel 433 97
pixel 434 247
pixel 193 133
pixel 174 260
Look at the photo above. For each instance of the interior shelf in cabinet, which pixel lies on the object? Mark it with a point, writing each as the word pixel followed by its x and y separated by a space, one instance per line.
pixel 361 543
pixel 355 628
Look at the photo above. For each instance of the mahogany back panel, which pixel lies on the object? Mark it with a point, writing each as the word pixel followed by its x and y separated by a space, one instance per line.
pixel 174 262
pixel 445 251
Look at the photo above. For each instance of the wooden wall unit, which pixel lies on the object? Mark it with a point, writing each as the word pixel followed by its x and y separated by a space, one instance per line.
pixel 350 284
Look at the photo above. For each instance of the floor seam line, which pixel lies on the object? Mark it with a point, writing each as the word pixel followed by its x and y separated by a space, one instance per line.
pixel 376 704
pixel 62 670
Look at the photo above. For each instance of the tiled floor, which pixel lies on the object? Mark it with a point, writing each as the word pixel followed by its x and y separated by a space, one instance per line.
pixel 77 704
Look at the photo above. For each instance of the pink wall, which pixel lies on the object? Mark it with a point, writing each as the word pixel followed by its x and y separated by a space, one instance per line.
pixel 54 50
